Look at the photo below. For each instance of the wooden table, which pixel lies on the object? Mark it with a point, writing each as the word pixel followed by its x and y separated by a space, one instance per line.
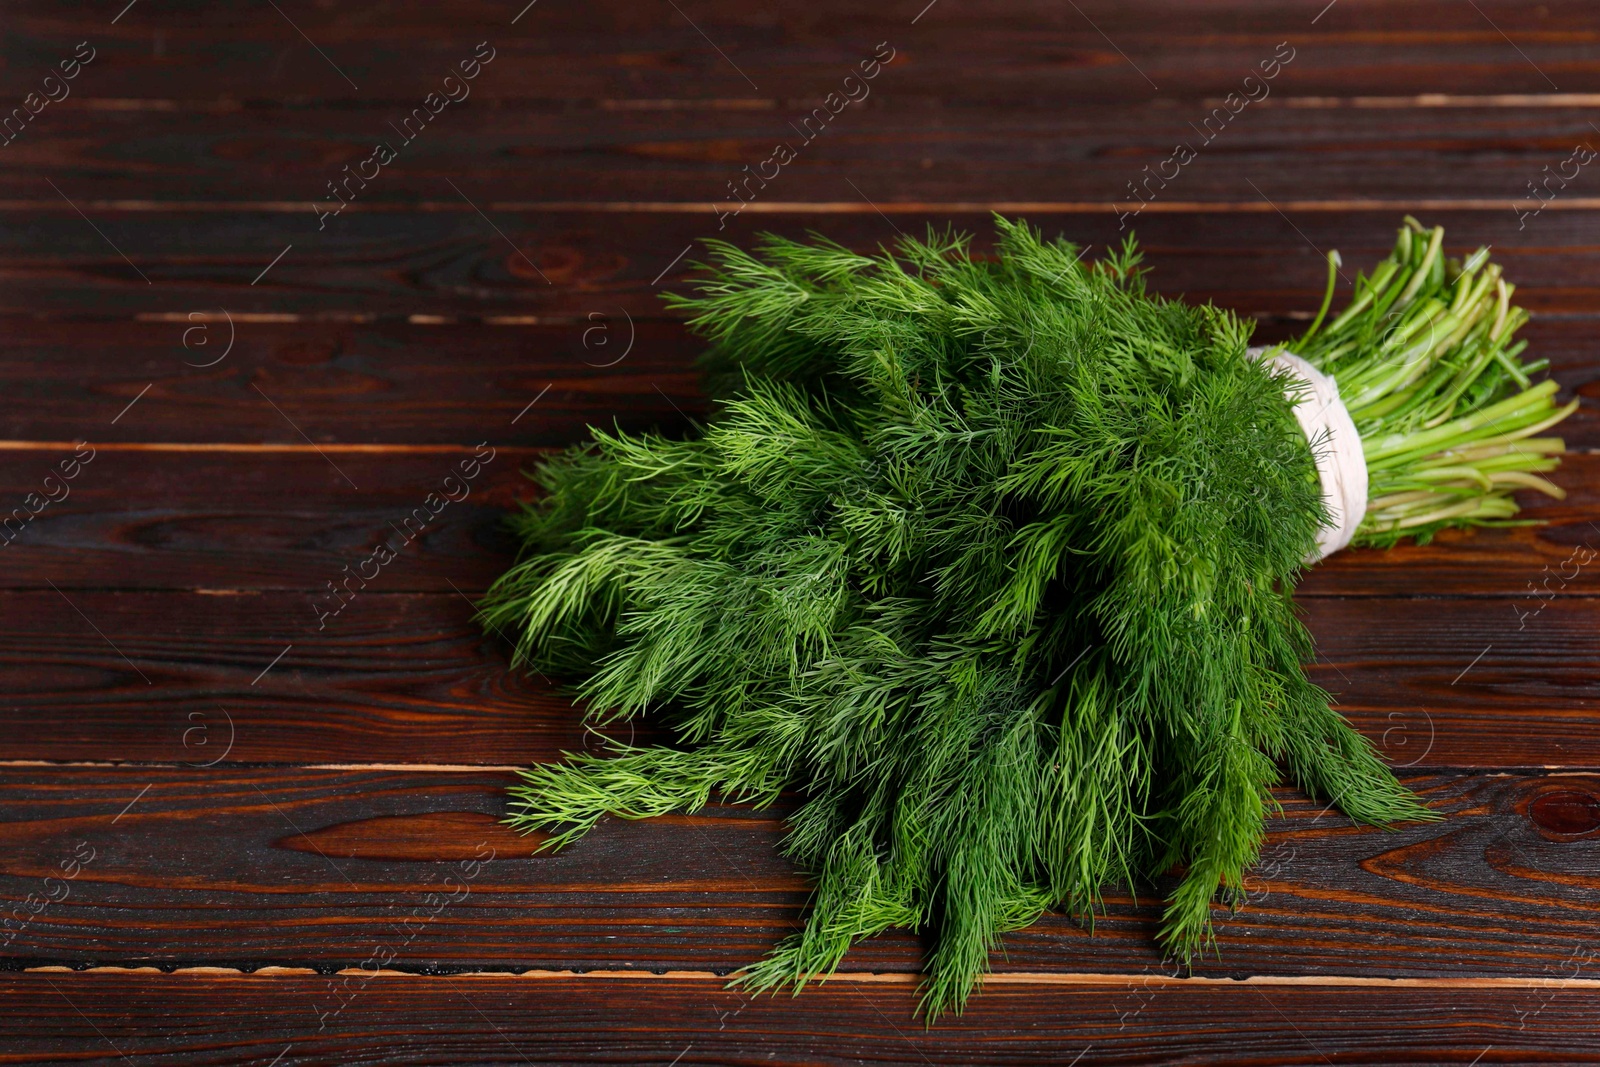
pixel 236 827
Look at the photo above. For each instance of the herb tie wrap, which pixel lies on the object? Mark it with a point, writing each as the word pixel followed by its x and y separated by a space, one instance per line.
pixel 1331 432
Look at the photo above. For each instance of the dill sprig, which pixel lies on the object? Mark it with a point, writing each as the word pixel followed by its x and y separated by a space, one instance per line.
pixel 992 561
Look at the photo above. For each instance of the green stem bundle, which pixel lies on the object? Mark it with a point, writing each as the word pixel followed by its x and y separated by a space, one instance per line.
pixel 991 562
pixel 1426 363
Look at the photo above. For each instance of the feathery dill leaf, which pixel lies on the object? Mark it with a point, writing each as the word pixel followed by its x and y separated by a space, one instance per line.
pixel 993 561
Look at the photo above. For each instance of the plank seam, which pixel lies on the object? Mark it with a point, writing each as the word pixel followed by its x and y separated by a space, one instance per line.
pixel 886 977
pixel 211 446
pixel 1532 770
pixel 540 105
pixel 834 207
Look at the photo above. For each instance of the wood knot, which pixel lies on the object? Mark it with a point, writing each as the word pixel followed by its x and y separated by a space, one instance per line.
pixel 1566 812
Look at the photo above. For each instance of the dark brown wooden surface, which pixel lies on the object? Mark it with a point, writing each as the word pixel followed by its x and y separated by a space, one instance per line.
pixel 441 259
pixel 1438 682
pixel 256 802
pixel 251 866
pixel 215 1018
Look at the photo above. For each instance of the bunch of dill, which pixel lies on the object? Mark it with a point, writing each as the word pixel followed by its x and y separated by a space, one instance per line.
pixel 992 562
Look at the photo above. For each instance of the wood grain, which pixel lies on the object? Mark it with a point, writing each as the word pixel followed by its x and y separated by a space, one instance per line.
pixel 260 866
pixel 301 383
pixel 1434 682
pixel 1515 669
pixel 322 808
pixel 892 146
pixel 1530 563
pixel 389 382
pixel 1458 682
pixel 208 519
pixel 198 1020
pixel 391 678
pixel 416 266
pixel 1015 54
pixel 219 521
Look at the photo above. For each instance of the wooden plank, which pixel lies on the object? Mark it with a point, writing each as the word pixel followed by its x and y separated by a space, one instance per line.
pixel 1011 53
pixel 1515 688
pixel 382 382
pixel 1471 682
pixel 157 519
pixel 248 521
pixel 183 643
pixel 389 383
pixel 893 148
pixel 255 866
pixel 1499 562
pixel 406 263
pixel 203 1019
pixel 421 384
pixel 196 678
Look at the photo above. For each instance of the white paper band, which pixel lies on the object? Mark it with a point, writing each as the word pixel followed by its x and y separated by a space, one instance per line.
pixel 1341 464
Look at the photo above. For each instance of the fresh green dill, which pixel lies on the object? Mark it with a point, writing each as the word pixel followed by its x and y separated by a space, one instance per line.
pixel 991 561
